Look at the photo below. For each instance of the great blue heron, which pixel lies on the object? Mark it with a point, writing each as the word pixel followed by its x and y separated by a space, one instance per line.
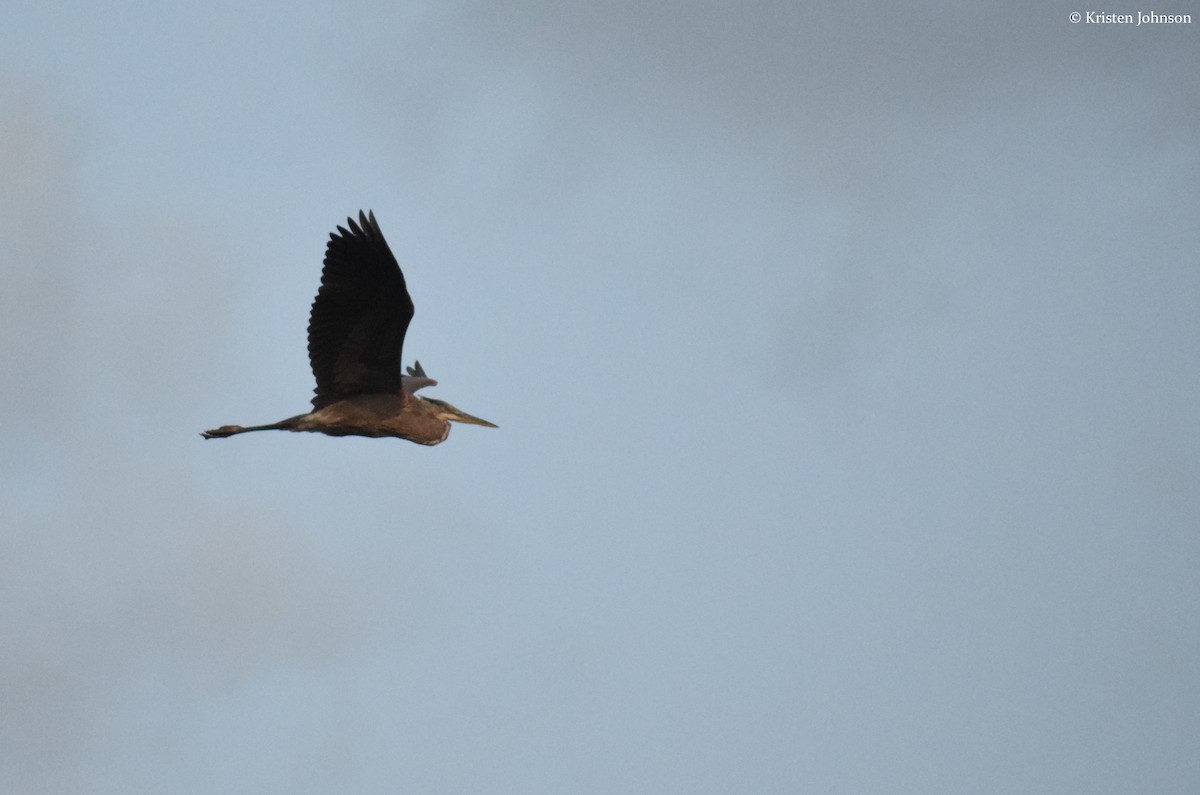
pixel 355 336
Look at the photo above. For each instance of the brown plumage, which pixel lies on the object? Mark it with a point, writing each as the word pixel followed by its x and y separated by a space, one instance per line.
pixel 355 340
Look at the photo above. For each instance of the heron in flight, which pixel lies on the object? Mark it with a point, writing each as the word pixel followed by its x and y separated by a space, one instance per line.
pixel 355 337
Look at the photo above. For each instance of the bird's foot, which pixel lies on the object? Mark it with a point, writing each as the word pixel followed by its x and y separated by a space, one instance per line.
pixel 222 432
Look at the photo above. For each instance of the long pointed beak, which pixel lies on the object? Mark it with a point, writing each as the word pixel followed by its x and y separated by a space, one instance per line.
pixel 461 416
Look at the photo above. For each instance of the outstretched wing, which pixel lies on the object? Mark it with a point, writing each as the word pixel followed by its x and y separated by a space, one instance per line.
pixel 359 317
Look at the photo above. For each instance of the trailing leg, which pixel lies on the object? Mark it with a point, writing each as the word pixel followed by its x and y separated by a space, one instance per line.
pixel 233 430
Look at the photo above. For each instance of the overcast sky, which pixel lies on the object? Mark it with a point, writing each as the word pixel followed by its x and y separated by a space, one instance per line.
pixel 846 361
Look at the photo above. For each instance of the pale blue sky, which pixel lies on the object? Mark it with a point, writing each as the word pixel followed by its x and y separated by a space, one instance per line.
pixel 845 361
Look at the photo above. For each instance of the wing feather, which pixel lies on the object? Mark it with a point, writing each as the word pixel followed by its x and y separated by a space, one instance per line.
pixel 359 317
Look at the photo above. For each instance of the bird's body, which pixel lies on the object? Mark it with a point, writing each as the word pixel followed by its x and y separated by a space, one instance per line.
pixel 355 339
pixel 377 415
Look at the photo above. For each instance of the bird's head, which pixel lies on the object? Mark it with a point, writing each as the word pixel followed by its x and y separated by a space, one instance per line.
pixel 447 412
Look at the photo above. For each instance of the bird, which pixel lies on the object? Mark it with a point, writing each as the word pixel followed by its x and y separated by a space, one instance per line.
pixel 355 342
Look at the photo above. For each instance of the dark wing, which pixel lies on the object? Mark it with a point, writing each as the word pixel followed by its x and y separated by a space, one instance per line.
pixel 356 329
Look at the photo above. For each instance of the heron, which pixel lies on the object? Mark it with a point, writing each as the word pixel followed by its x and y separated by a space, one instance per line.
pixel 355 341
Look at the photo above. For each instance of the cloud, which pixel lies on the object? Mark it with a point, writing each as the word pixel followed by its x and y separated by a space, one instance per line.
pixel 116 570
pixel 38 212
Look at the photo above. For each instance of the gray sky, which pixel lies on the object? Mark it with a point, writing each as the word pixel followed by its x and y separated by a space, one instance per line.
pixel 845 361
